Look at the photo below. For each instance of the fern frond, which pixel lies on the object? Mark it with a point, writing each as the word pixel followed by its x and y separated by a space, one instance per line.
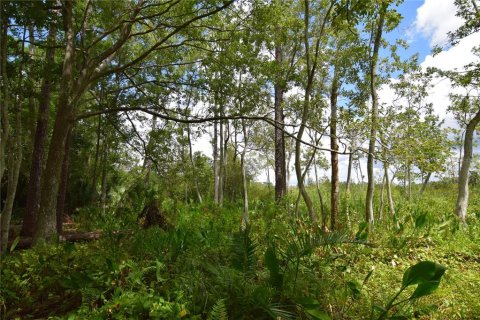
pixel 244 252
pixel 219 311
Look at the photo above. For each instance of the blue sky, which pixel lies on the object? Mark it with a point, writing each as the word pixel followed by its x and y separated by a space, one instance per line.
pixel 418 42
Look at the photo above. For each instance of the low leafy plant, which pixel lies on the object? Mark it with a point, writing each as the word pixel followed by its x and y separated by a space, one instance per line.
pixel 426 275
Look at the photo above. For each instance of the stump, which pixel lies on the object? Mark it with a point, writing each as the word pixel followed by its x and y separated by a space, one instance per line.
pixel 152 215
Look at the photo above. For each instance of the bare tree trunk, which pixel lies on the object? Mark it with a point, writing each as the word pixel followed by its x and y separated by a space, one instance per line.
pixel 31 98
pixel 389 190
pixel 14 164
pixel 289 160
pixel 425 183
pixel 280 169
pixel 334 153
pixel 374 115
pixel 381 197
pixel 215 162
pixel 221 164
pixel 304 174
pixel 409 179
pixel 4 94
pixel 103 196
pixel 94 195
pixel 349 172
pixel 320 197
pixel 192 162
pixel 62 192
pixel 34 183
pixel 245 216
pixel 462 199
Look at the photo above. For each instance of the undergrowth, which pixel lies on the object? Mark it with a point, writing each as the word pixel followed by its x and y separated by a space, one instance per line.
pixel 281 267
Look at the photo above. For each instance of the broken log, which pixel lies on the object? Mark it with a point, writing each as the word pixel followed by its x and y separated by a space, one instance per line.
pixel 25 243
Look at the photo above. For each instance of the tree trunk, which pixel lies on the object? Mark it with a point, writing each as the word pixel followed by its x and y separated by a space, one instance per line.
pixel 94 195
pixel 245 216
pixel 14 164
pixel 305 114
pixel 424 184
pixel 47 220
pixel 373 130
pixel 215 163
pixel 320 197
pixel 41 131
pixel 62 192
pixel 462 199
pixel 280 169
pixel 103 196
pixel 190 152
pixel 389 190
pixel 380 216
pixel 221 164
pixel 409 180
pixel 334 153
pixel 349 172
pixel 31 98
pixel 4 94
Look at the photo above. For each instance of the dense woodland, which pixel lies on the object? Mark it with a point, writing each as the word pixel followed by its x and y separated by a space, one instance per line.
pixel 110 211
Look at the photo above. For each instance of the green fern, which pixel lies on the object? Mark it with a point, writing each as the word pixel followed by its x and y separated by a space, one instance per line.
pixel 244 252
pixel 219 311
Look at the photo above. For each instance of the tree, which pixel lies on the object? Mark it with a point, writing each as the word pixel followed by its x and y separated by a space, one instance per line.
pixel 467 78
pixel 101 50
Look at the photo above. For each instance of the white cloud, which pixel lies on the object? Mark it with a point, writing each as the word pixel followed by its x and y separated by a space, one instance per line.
pixel 454 58
pixel 435 18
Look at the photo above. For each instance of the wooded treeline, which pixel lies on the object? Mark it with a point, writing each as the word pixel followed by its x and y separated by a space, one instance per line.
pixel 102 101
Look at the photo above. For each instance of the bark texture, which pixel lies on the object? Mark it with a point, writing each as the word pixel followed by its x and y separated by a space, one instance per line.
pixel 462 198
pixel 34 183
pixel 334 153
pixel 280 161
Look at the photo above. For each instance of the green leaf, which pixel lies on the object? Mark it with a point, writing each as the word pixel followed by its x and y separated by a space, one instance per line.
pixel 317 314
pixel 423 272
pixel 308 302
pixel 421 221
pixel 424 289
pixel 14 244
pixel 272 264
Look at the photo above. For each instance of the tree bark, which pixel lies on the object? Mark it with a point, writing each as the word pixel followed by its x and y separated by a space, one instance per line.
pixel 462 199
pixel 4 95
pixel 215 163
pixel 380 216
pixel 41 131
pixel 280 161
pixel 320 197
pixel 349 172
pixel 389 190
pixel 245 216
pixel 103 196
pixel 374 115
pixel 94 195
pixel 221 163
pixel 334 153
pixel 425 183
pixel 62 192
pixel 192 162
pixel 46 225
pixel 14 164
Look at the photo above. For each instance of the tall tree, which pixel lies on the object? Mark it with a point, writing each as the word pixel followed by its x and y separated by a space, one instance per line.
pixel 377 35
pixel 97 63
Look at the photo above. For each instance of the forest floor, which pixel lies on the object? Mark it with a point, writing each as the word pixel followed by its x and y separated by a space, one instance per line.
pixel 203 267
